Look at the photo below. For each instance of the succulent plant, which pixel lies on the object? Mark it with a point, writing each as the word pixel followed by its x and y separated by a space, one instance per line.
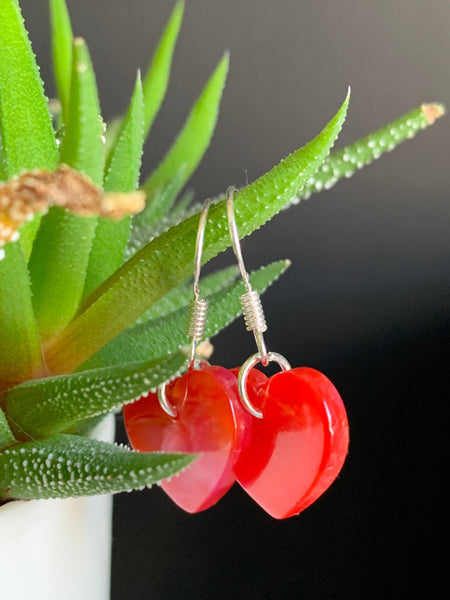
pixel 94 286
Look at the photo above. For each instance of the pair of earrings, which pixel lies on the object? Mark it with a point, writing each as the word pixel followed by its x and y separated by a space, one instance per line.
pixel 283 438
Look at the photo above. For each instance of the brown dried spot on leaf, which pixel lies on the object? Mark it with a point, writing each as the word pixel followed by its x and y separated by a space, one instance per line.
pixel 35 191
pixel 433 112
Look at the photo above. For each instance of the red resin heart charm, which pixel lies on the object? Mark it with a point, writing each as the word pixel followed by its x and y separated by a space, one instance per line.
pixel 297 449
pixel 210 421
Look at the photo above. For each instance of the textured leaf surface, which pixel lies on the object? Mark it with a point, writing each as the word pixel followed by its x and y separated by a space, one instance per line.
pixel 45 407
pixel 193 140
pixel 162 200
pixel 168 333
pixel 345 162
pixel 121 175
pixel 3 166
pixel 60 252
pixel 168 260
pixel 66 466
pixel 182 294
pixel 142 234
pixel 82 146
pixel 25 123
pixel 6 436
pixel 20 348
pixel 62 39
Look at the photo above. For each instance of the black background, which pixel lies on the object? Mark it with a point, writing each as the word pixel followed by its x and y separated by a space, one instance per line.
pixel 365 301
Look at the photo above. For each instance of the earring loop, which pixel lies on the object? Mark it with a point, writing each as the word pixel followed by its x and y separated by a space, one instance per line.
pixel 198 311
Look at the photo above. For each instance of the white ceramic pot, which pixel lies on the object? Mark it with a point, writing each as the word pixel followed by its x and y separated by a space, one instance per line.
pixel 57 549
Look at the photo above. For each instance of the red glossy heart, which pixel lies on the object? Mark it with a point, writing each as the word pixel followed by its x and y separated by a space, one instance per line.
pixel 297 449
pixel 210 421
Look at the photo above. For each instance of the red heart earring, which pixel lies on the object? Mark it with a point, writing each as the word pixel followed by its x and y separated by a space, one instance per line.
pixel 299 434
pixel 199 412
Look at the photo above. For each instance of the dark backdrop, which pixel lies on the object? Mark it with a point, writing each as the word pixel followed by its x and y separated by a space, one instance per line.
pixel 365 301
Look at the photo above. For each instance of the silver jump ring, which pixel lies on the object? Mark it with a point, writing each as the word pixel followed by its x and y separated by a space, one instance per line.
pixel 164 402
pixel 244 372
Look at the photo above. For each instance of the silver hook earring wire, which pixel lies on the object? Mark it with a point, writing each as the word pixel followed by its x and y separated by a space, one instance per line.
pixel 254 318
pixel 198 311
pixel 251 302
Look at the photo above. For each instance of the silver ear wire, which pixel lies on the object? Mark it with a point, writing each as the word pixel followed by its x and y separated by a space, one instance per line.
pixel 199 306
pixel 198 311
pixel 250 301
pixel 253 315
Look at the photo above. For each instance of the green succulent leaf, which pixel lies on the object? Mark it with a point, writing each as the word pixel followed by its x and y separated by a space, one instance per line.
pixel 6 435
pixel 168 332
pixel 162 201
pixel 142 234
pixel 168 260
pixel 82 144
pixel 182 294
pixel 345 162
pixel 67 466
pixel 44 407
pixel 3 166
pixel 62 39
pixel 183 202
pixel 121 175
pixel 20 348
pixel 60 253
pixel 193 140
pixel 25 123
pixel 157 77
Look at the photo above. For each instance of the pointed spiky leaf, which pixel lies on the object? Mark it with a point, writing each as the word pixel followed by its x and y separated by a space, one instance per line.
pixel 193 140
pixel 157 77
pixel 345 162
pixel 6 435
pixel 61 249
pixel 168 333
pixel 25 123
pixel 121 175
pixel 168 260
pixel 67 466
pixel 82 145
pixel 44 407
pixel 20 348
pixel 182 294
pixel 62 39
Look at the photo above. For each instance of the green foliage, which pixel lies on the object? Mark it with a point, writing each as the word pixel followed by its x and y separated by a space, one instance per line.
pixel 120 324
pixel 67 466
pixel 6 435
pixel 168 332
pixel 121 175
pixel 62 39
pixel 25 123
pixel 157 77
pixel 61 249
pixel 346 161
pixel 193 140
pixel 19 340
pixel 182 294
pixel 166 261
pixel 44 407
